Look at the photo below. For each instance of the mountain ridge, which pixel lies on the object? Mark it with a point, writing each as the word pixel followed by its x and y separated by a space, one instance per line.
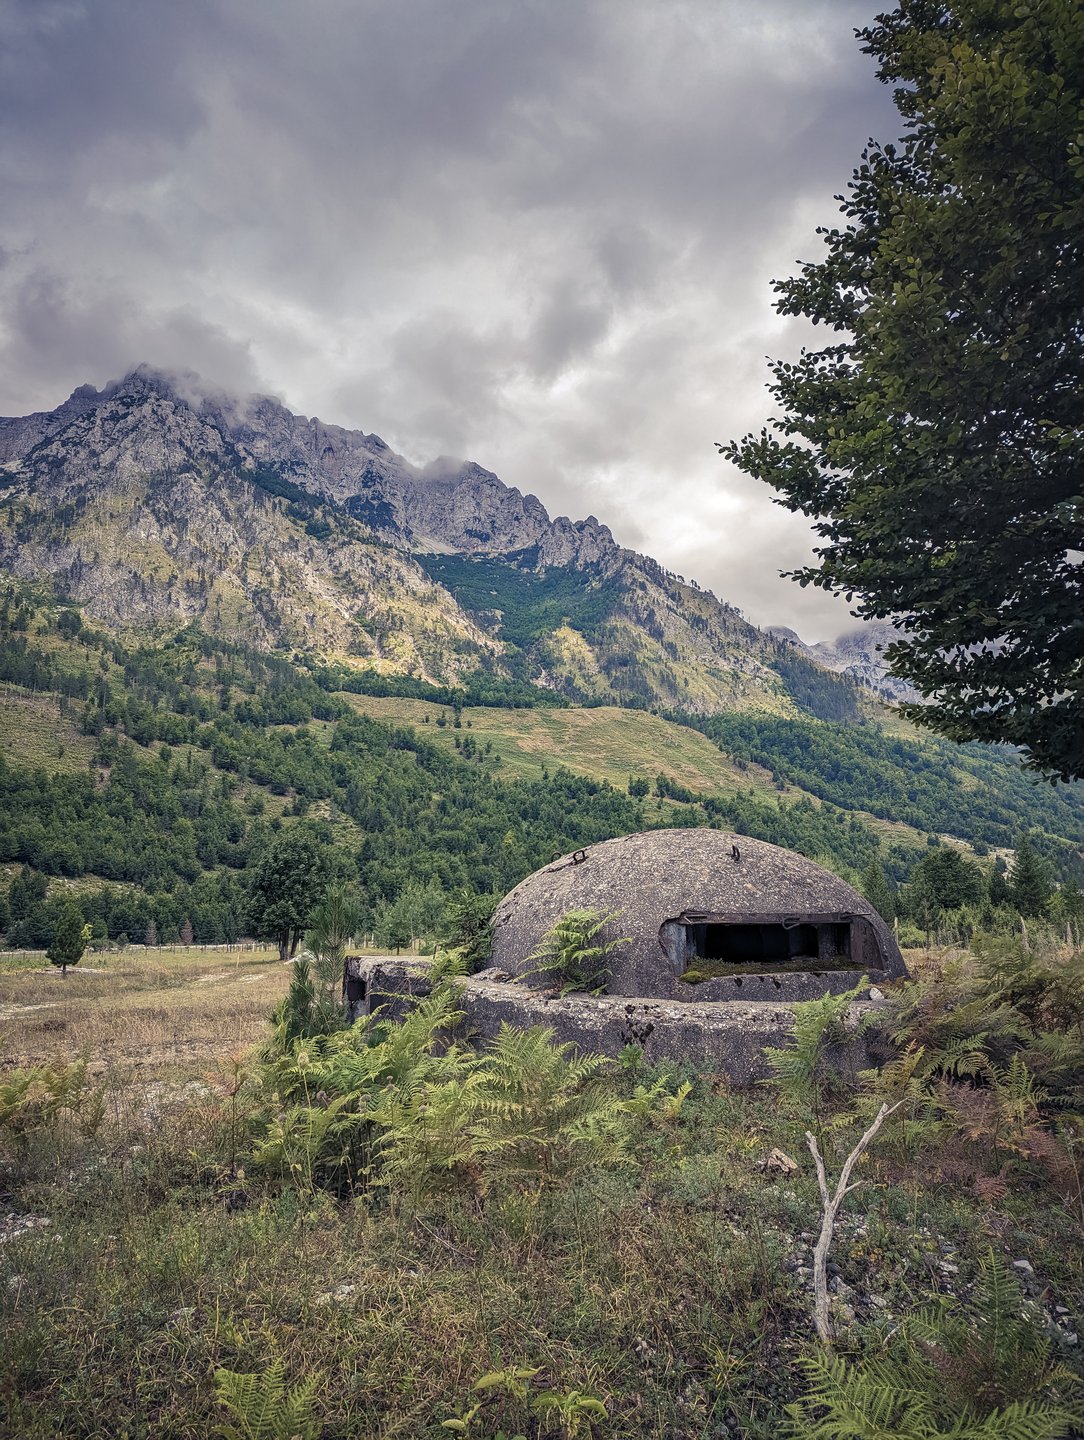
pixel 156 501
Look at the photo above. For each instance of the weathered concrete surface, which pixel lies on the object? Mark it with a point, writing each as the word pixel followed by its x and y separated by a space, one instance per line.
pixel 384 983
pixel 727 1037
pixel 673 878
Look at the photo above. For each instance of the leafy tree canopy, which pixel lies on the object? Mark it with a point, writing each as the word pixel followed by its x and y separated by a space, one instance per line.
pixel 288 881
pixel 937 443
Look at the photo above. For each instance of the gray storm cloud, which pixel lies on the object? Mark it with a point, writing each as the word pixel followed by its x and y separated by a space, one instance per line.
pixel 539 235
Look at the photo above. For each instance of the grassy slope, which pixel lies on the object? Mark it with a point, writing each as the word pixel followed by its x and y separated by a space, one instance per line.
pixel 603 743
pixel 34 732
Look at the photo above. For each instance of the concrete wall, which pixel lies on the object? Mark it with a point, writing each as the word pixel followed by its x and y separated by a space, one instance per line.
pixel 728 1038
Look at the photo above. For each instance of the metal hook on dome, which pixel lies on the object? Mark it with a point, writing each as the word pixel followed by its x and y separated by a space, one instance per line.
pixel 576 858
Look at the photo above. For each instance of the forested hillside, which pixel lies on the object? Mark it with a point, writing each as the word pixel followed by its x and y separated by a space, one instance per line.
pixel 183 763
pixel 201 752
pixel 974 791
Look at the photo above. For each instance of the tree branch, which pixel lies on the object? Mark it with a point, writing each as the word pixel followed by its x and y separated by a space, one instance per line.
pixel 828 1218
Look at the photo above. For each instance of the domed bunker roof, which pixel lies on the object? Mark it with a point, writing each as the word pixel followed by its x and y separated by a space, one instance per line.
pixel 708 915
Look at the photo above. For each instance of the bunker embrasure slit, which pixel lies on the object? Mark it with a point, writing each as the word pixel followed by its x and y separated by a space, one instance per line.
pixel 744 944
pixel 710 947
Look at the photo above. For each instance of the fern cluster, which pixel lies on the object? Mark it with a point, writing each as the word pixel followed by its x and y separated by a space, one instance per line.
pixel 524 1112
pixel 54 1103
pixel 985 1375
pixel 991 1055
pixel 574 955
pixel 402 1105
pixel 260 1406
pixel 320 1090
pixel 803 1072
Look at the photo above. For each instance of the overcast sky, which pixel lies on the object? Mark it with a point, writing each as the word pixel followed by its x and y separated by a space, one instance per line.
pixel 539 234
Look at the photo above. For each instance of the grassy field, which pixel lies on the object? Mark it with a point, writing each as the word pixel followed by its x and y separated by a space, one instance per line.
pixel 604 743
pixel 653 1284
pixel 159 1013
pixel 34 732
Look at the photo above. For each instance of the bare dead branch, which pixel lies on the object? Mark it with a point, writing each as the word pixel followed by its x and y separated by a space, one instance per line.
pixel 831 1208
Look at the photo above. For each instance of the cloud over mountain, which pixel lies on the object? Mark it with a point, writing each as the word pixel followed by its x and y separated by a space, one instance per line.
pixel 541 235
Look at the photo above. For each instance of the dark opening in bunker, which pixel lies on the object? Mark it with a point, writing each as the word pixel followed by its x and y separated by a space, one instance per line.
pixel 715 948
pixel 741 944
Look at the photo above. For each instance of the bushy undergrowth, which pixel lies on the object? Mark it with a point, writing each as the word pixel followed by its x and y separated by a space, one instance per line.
pixel 396 1234
pixel 984 1375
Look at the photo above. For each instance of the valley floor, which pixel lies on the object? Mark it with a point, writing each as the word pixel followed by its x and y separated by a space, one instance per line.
pixel 143 1013
pixel 663 1291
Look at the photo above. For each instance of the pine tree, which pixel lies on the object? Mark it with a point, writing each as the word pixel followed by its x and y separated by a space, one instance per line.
pixel 27 891
pixel 334 923
pixel 875 887
pixel 1029 881
pixel 935 438
pixel 69 938
pixel 997 886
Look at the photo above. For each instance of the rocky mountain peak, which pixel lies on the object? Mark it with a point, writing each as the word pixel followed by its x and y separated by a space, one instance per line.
pixel 161 500
pixel 152 418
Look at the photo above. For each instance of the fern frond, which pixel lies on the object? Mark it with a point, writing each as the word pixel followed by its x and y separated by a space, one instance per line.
pixel 568 950
pixel 817 1025
pixel 867 1402
pixel 1023 1420
pixel 261 1408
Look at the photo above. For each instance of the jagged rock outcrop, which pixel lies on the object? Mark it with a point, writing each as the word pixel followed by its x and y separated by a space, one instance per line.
pixel 859 654
pixel 156 502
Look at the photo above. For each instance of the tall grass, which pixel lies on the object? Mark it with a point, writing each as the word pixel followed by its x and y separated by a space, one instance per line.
pixel 601 1238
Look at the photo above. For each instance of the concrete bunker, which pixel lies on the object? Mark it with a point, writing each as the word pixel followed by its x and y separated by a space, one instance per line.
pixel 707 916
pixel 723 935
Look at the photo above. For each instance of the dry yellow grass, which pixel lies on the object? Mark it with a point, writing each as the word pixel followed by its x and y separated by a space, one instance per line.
pixel 34 732
pixel 161 1012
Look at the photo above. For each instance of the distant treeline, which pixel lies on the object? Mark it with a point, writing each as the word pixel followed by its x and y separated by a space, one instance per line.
pixel 482 689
